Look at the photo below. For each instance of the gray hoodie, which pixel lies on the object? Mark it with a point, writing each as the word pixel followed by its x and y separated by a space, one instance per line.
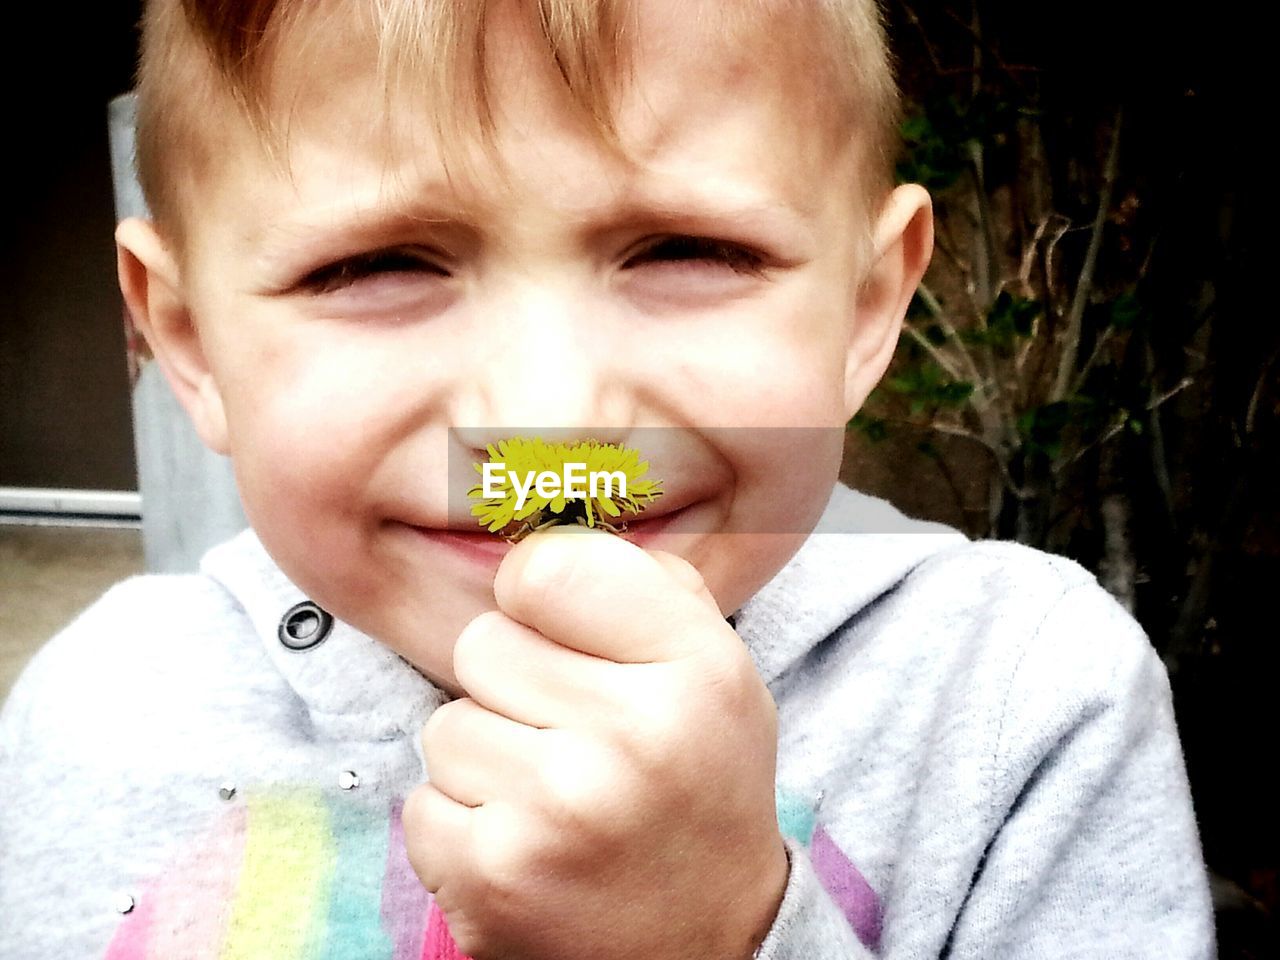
pixel 977 758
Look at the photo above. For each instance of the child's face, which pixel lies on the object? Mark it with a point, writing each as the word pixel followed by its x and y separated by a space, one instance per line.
pixel 562 304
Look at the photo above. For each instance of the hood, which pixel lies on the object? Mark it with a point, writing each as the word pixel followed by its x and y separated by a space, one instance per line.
pixel 356 688
pixel 861 548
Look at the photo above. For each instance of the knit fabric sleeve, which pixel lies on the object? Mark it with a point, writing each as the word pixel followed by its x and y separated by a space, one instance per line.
pixel 1087 836
pixel 1096 850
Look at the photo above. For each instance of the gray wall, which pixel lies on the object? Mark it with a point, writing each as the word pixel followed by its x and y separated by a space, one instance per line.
pixel 189 498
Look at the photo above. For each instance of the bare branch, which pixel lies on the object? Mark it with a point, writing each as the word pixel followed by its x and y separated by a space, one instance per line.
pixel 954 430
pixel 1084 285
pixel 984 259
pixel 924 38
pixel 1024 278
pixel 1117 425
pixel 1050 249
pixel 943 243
pixel 1255 399
pixel 1103 339
pixel 1011 70
pixel 1020 361
pixel 931 303
pixel 1160 400
pixel 1156 445
pixel 1119 421
pixel 997 454
pixel 939 357
pixel 1030 250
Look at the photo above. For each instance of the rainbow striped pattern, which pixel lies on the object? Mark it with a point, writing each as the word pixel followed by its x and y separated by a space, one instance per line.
pixel 291 874
pixel 305 874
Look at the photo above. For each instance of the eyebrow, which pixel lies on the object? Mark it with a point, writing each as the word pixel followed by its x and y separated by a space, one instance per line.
pixel 715 213
pixel 357 224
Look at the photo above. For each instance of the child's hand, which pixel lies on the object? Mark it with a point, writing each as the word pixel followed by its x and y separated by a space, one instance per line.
pixel 607 789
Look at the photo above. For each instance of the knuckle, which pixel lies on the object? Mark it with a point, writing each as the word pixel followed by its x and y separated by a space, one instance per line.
pixel 584 791
pixel 412 814
pixel 500 859
pixel 436 727
pixel 470 940
pixel 732 684
pixel 662 721
pixel 416 819
pixel 470 933
pixel 470 649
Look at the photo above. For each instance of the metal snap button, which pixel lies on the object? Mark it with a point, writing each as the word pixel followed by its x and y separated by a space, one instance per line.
pixel 304 626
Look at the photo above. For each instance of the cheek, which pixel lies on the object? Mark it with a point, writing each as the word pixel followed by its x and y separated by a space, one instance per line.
pixel 783 476
pixel 782 480
pixel 779 365
pixel 307 425
pixel 313 406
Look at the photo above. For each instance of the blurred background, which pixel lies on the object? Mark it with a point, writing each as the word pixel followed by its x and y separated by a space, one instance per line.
pixel 1090 367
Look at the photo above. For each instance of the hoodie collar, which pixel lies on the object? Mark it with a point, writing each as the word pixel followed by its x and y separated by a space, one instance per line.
pixel 861 548
pixel 354 687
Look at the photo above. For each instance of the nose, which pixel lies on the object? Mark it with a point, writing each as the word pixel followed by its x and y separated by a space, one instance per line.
pixel 547 364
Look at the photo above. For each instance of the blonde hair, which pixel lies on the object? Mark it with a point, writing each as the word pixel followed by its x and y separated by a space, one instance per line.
pixel 200 56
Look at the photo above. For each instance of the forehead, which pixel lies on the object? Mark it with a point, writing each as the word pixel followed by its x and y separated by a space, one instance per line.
pixel 742 113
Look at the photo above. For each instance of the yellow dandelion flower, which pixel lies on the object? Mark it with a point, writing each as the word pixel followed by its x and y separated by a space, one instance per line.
pixel 528 484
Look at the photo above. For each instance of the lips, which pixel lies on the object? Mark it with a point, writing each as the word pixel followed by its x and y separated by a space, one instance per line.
pixel 489 548
pixel 480 548
pixel 643 530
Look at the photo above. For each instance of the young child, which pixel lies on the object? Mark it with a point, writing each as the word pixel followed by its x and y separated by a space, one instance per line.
pixel 776 718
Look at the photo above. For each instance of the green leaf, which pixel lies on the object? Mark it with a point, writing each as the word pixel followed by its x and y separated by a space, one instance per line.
pixel 1125 311
pixel 1011 317
pixel 956 394
pixel 1025 313
pixel 917 128
pixel 873 428
pixel 1042 427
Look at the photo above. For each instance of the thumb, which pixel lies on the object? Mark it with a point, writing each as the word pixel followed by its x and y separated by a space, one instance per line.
pixel 687 575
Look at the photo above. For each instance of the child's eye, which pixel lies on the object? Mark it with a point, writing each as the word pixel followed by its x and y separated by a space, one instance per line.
pixel 382 262
pixel 684 249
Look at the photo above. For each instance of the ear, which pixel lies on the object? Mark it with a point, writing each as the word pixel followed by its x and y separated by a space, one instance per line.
pixel 903 246
pixel 152 286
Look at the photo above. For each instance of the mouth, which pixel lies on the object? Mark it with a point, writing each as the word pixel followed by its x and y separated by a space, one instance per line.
pixel 481 548
pixel 642 530
pixel 488 549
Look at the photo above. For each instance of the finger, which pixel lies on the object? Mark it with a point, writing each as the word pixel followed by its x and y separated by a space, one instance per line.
pixel 604 596
pixel 437 833
pixel 512 670
pixel 474 755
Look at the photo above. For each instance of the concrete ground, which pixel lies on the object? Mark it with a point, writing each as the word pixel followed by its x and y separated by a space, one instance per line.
pixel 47 576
